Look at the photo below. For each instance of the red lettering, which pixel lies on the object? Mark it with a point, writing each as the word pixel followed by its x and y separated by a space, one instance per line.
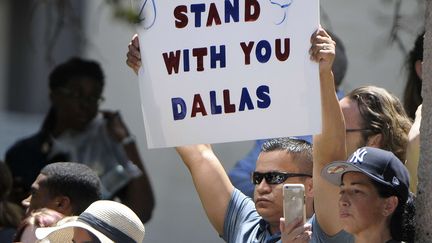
pixel 172 61
pixel 279 55
pixel 180 14
pixel 198 106
pixel 229 108
pixel 249 15
pixel 213 15
pixel 199 53
pixel 247 49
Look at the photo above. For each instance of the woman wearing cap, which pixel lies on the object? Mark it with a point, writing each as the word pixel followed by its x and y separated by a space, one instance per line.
pixel 366 197
pixel 103 221
pixel 374 194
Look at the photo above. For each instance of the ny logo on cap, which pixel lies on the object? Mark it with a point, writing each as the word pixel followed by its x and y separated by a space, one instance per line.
pixel 358 156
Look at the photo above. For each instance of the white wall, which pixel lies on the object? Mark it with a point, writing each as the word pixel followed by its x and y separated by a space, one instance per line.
pixel 364 27
pixel 179 216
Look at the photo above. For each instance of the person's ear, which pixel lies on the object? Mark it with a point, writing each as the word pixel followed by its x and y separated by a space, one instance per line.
pixel 390 205
pixel 419 68
pixel 375 140
pixel 63 205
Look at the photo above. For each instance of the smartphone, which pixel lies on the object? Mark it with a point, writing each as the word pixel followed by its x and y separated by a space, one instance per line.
pixel 294 202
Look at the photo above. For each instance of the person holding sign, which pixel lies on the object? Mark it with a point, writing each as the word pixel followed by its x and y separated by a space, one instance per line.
pixel 235 216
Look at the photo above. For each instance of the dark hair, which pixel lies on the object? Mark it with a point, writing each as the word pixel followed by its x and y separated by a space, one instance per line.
pixel 74 68
pixel 74 180
pixel 412 93
pixel 10 213
pixel 300 149
pixel 340 63
pixel 402 227
pixel 383 113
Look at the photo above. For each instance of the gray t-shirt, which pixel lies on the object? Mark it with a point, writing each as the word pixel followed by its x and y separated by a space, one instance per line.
pixel 319 236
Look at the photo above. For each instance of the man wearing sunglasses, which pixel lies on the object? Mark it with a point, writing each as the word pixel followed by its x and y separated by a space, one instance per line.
pixel 235 216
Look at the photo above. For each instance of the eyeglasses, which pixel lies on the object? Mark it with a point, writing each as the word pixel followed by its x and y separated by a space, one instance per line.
pixel 274 177
pixel 92 100
pixel 357 129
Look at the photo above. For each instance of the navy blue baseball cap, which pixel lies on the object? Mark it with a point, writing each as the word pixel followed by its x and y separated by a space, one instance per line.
pixel 380 165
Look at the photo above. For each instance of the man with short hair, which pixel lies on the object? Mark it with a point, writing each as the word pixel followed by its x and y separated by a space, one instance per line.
pixel 66 187
pixel 234 215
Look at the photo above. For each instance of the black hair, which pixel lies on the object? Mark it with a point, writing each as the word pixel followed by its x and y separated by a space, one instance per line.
pixel 75 68
pixel 10 213
pixel 74 180
pixel 402 227
pixel 300 149
pixel 412 93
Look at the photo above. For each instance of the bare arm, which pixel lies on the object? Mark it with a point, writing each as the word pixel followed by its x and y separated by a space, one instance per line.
pixel 330 145
pixel 413 150
pixel 211 181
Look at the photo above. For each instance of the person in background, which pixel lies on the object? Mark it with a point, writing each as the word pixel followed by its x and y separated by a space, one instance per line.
pixel 66 187
pixel 75 129
pixel 103 221
pixel 61 189
pixel 412 102
pixel 10 213
pixel 412 93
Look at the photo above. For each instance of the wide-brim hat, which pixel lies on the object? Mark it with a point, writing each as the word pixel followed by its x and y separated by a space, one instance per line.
pixel 379 165
pixel 109 221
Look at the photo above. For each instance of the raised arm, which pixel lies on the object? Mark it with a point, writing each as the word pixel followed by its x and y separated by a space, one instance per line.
pixel 330 145
pixel 413 150
pixel 138 193
pixel 133 55
pixel 211 181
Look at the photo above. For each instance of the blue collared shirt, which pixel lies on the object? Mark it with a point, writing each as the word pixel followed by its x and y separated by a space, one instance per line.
pixel 243 223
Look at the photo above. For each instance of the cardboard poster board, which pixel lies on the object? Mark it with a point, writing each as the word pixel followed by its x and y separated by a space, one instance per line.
pixel 222 71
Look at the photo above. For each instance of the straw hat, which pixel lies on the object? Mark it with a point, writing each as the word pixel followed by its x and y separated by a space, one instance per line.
pixel 109 221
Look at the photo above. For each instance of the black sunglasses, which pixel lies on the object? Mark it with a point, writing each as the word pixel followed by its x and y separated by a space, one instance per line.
pixel 274 177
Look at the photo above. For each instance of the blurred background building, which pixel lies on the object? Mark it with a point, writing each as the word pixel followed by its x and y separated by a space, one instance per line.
pixel 31 45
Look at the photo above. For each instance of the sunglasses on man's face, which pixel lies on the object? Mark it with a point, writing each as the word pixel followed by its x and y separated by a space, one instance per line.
pixel 274 177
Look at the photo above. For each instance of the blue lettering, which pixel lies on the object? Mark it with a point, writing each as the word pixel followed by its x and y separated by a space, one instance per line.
pixel 214 56
pixel 197 9
pixel 186 66
pixel 245 100
pixel 263 94
pixel 215 108
pixel 232 10
pixel 179 108
pixel 263 45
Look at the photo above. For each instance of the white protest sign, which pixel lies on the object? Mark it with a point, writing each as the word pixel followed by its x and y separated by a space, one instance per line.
pixel 222 71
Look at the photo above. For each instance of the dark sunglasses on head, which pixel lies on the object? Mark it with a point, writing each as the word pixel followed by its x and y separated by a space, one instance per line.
pixel 274 177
